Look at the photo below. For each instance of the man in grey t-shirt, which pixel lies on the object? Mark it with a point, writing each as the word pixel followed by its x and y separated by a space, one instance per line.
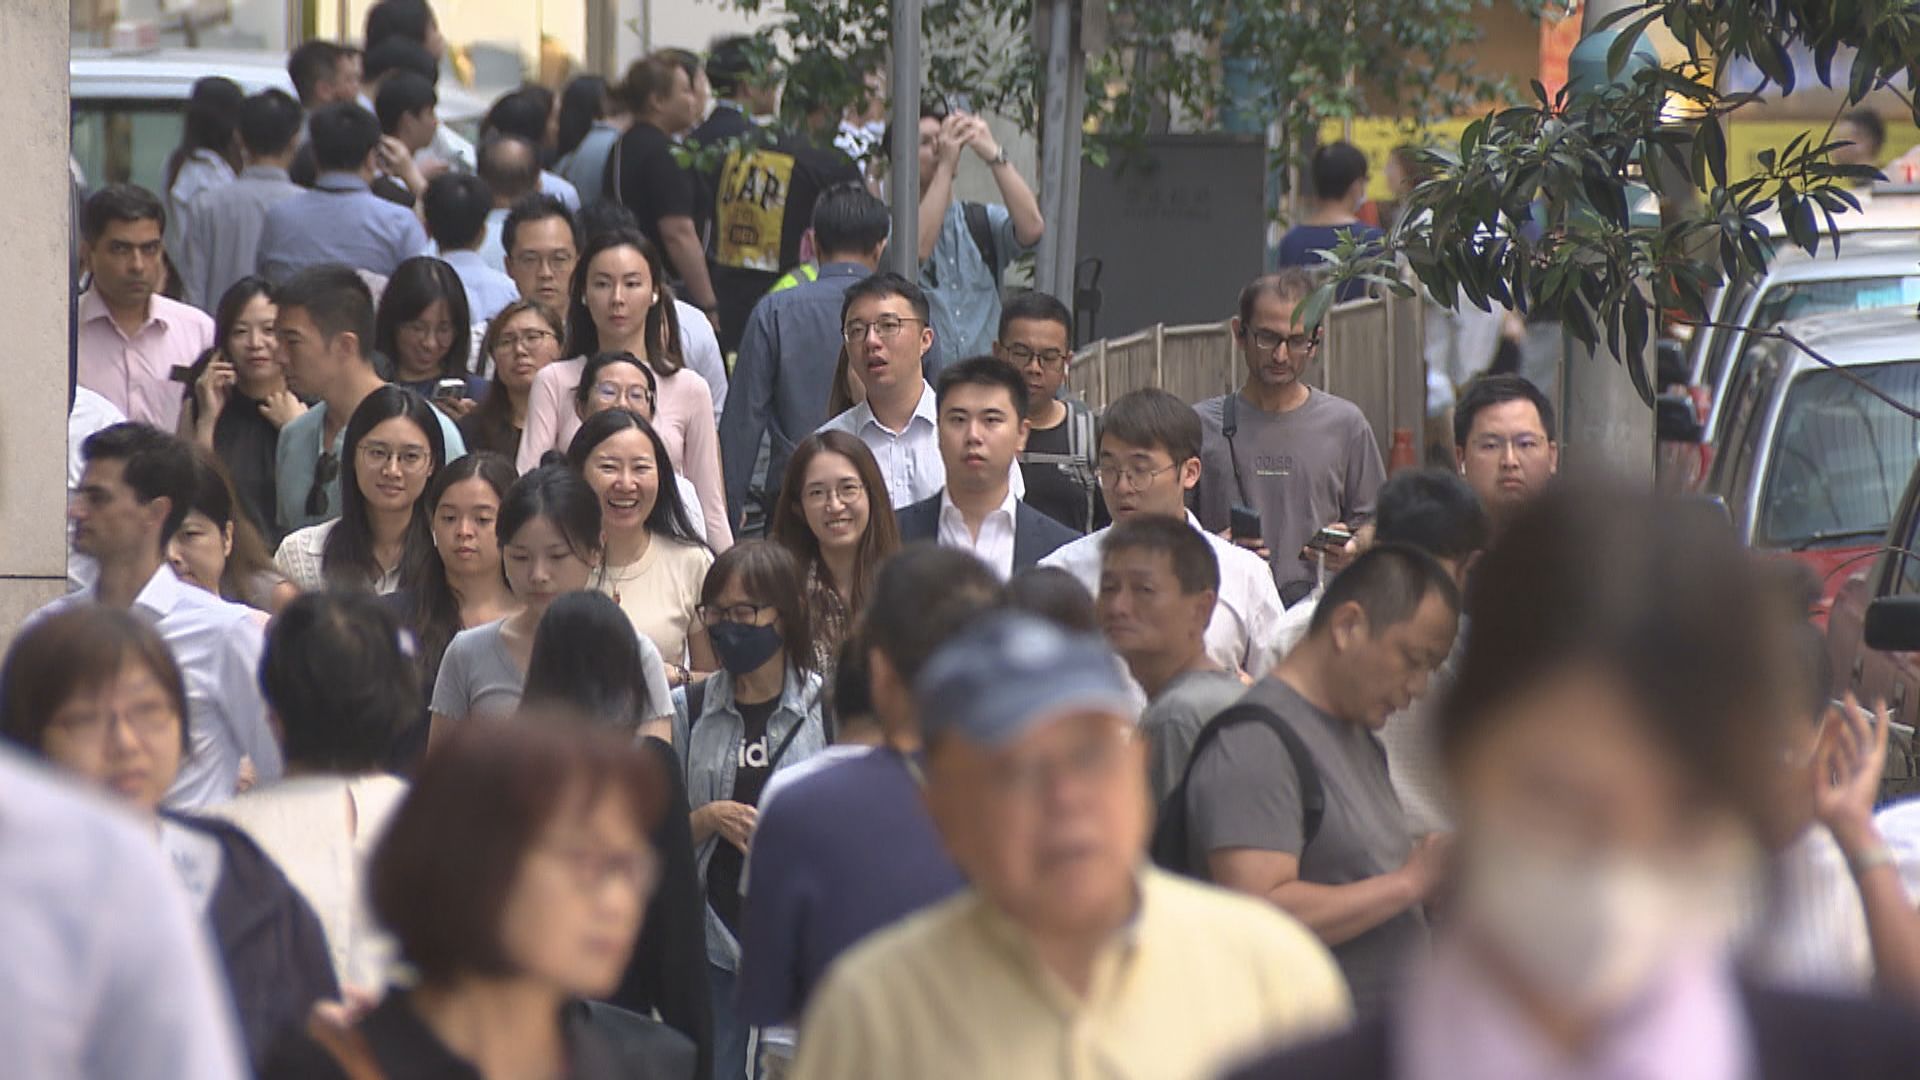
pixel 1158 581
pixel 1299 457
pixel 1359 881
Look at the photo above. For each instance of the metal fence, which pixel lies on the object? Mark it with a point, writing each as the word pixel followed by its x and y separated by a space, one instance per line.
pixel 1370 354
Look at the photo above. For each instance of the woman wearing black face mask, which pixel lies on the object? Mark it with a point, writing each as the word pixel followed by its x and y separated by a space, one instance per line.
pixel 757 715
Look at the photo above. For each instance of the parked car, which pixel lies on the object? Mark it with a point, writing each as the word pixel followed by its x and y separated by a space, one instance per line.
pixel 1871 270
pixel 1873 638
pixel 128 108
pixel 1815 459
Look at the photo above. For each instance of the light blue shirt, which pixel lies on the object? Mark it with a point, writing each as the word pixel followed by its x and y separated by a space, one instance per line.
pixel 586 167
pixel 960 285
pixel 340 221
pixel 561 189
pixel 488 290
pixel 299 453
pixel 222 243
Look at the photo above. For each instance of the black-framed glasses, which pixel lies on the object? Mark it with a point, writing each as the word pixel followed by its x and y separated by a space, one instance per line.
pixel 1022 355
pixel 715 614
pixel 325 471
pixel 887 327
pixel 1266 341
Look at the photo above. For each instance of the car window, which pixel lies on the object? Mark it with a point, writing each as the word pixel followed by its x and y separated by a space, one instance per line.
pixel 120 142
pixel 1720 342
pixel 1802 298
pixel 1841 456
pixel 1746 406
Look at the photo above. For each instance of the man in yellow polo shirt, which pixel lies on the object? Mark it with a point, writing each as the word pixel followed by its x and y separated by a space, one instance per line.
pixel 1070 957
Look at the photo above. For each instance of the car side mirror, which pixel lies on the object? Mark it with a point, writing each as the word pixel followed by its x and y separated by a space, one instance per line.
pixel 1674 419
pixel 1893 624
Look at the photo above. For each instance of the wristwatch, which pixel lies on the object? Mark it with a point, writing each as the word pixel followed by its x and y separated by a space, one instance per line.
pixel 998 159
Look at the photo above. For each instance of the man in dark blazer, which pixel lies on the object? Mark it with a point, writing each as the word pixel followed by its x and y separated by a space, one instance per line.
pixel 981 410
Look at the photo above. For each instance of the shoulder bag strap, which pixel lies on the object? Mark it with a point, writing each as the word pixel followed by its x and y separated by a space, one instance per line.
pixel 347 1046
pixel 1229 427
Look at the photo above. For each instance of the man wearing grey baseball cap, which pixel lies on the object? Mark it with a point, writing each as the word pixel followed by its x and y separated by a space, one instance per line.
pixel 1070 954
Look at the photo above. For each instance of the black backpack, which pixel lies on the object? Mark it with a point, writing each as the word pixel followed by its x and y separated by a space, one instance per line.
pixel 1170 840
pixel 980 228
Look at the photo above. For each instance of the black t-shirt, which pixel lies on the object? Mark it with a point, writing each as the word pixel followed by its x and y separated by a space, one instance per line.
pixel 246 442
pixel 763 205
pixel 1055 490
pixel 651 183
pixel 724 124
pixel 752 767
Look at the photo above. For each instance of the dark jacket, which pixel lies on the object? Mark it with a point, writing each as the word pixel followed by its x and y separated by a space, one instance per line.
pixel 270 942
pixel 600 1046
pixel 1035 535
pixel 1795 1037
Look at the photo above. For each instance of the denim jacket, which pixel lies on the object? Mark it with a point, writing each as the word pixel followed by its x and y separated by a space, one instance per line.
pixel 708 756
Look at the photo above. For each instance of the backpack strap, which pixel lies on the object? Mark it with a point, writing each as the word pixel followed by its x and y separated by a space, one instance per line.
pixel 1229 427
pixel 1312 794
pixel 980 227
pixel 1082 446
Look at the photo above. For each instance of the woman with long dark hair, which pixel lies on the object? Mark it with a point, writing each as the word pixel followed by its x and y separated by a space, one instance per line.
pixel 426 330
pixel 759 714
pixel 239 400
pixel 621 303
pixel 834 516
pixel 549 533
pixel 381 540
pixel 586 663
pixel 655 563
pixel 463 585
pixel 209 154
pixel 591 123
pixel 217 549
pixel 524 338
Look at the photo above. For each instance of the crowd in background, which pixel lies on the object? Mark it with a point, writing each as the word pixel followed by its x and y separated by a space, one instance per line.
pixel 555 607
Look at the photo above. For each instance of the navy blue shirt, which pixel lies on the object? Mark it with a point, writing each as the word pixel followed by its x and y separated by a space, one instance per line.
pixel 838 855
pixel 1300 245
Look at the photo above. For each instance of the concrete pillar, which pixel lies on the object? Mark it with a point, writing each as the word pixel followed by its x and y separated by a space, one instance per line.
pixel 33 307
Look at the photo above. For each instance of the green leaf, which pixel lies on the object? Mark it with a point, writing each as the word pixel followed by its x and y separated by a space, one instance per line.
pixel 1713 148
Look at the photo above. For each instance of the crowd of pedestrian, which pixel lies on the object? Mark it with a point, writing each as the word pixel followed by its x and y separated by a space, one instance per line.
pixel 555 607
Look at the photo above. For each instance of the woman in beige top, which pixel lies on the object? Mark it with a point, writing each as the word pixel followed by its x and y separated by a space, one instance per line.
pixel 654 566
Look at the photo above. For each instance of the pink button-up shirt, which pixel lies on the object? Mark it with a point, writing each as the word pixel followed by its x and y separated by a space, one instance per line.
pixel 135 372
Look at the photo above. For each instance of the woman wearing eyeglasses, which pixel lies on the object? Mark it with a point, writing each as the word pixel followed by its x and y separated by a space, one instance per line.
pixel 757 715
pixel 382 540
pixel 622 303
pixel 424 329
pixel 833 515
pixel 521 340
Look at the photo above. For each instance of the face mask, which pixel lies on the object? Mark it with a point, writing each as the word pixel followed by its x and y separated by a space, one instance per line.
pixel 743 648
pixel 1591 932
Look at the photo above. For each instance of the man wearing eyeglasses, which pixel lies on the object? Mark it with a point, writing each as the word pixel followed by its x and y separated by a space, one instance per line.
pixel 885 323
pixel 1062 459
pixel 778 394
pixel 1300 460
pixel 321 332
pixel 1503 443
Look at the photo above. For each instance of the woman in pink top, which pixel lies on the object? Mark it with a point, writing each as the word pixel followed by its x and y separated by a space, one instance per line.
pixel 622 303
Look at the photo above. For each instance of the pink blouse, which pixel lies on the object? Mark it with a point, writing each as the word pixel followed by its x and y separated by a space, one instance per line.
pixel 683 414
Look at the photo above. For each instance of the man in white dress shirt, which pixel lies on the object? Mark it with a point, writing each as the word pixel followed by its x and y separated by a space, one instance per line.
pixel 982 408
pixel 888 329
pixel 109 975
pixel 1149 461
pixel 133 494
